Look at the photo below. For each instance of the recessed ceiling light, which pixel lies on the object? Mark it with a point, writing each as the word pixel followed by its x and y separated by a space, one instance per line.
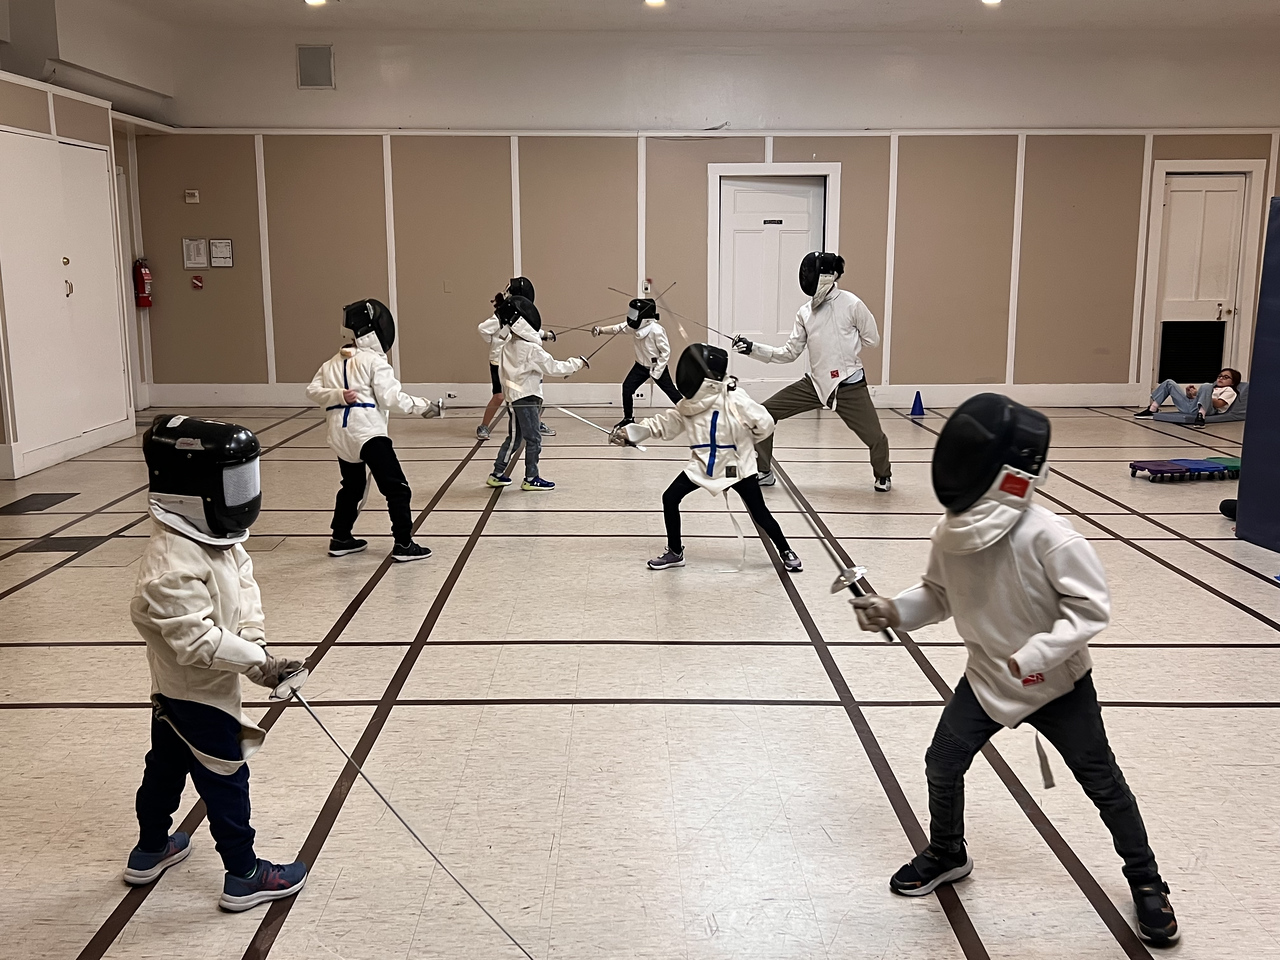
pixel 655 3
pixel 989 3
pixel 316 3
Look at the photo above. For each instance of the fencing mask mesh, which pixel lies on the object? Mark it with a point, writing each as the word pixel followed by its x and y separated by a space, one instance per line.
pixel 206 462
pixel 814 265
pixel 521 287
pixel 985 434
pixel 522 308
pixel 640 310
pixel 371 316
pixel 698 363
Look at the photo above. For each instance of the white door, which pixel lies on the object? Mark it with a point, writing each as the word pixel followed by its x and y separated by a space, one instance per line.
pixel 97 352
pixel 1200 259
pixel 767 225
pixel 43 354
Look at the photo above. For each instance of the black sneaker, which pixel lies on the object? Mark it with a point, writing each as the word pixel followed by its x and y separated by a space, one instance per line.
pixel 1199 421
pixel 144 867
pixel 929 870
pixel 625 421
pixel 341 546
pixel 671 558
pixel 1156 922
pixel 269 881
pixel 791 562
pixel 402 553
pixel 1146 413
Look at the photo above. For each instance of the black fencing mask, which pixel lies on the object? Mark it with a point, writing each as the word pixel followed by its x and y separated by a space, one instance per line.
pixel 524 309
pixel 640 310
pixel 204 470
pixel 700 362
pixel 521 287
pixel 371 316
pixel 814 265
pixel 986 434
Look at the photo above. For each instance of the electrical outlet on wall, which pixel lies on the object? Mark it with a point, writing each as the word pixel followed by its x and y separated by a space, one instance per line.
pixel 448 287
pixel 647 287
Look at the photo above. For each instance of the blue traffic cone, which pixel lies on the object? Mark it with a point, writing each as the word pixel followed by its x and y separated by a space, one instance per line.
pixel 917 408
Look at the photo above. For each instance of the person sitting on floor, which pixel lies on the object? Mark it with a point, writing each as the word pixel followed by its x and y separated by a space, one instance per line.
pixel 1216 397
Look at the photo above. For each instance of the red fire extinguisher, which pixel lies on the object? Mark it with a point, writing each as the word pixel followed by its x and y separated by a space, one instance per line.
pixel 141 283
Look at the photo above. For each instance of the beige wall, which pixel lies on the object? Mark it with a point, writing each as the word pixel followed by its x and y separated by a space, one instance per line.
pixel 578 238
pixel 453 250
pixel 952 258
pixel 676 225
pixel 1081 209
pixel 214 335
pixel 864 215
pixel 24 107
pixel 78 120
pixel 1211 146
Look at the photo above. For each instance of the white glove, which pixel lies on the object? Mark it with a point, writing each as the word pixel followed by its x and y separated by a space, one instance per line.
pixel 595 331
pixel 636 433
pixel 876 613
pixel 273 672
pixel 435 408
pixel 618 437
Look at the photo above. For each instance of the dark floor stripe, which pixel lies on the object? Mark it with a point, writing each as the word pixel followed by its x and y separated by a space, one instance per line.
pixel 278 912
pixel 1106 910
pixel 1148 425
pixel 112 927
pixel 96 542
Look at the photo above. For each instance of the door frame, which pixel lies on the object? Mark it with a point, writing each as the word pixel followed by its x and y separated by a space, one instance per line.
pixel 1239 349
pixel 717 171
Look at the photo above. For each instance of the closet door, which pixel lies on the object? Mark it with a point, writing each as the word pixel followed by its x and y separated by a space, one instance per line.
pixel 92 281
pixel 43 357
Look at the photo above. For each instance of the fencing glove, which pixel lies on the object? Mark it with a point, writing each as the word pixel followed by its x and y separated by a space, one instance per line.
pixel 876 613
pixel 742 345
pixel 273 672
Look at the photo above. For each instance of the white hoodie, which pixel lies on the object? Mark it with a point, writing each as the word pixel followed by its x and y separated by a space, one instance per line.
pixel 1020 582
pixel 834 334
pixel 653 349
pixel 724 425
pixel 495 335
pixel 364 369
pixel 524 363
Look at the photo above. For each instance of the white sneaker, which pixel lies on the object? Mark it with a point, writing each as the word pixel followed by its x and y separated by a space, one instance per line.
pixel 883 484
pixel 766 479
pixel 482 432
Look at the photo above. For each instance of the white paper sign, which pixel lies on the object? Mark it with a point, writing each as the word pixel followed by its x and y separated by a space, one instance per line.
pixel 195 253
pixel 219 253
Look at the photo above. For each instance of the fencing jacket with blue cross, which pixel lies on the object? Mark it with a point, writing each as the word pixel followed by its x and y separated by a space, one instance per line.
pixel 724 425
pixel 364 368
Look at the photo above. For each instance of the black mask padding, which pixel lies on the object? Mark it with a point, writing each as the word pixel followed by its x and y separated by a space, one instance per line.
pixel 521 287
pixel 984 435
pixel 365 316
pixel 640 310
pixel 215 461
pixel 525 308
pixel 700 362
pixel 815 264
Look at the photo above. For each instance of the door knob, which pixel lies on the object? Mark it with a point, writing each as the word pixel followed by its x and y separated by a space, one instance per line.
pixel 66 262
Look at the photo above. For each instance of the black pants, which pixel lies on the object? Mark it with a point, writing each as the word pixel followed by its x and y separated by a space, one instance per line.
pixel 380 457
pixel 226 798
pixel 748 490
pixel 635 380
pixel 1073 724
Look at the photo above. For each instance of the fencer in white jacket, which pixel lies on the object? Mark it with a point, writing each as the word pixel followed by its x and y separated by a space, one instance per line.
pixel 358 390
pixel 653 353
pixel 834 326
pixel 495 333
pixel 723 425
pixel 1027 593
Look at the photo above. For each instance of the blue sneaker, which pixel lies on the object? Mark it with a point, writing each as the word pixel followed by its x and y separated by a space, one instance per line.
pixel 270 881
pixel 498 480
pixel 537 483
pixel 144 867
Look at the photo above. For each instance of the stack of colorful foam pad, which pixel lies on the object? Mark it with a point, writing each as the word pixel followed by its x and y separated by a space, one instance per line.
pixel 1158 471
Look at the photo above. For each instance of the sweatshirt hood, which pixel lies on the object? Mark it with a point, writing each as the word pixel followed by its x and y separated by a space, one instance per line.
pixel 994 515
pixel 522 330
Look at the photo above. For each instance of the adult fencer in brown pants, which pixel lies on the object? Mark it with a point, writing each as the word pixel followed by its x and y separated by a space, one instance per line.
pixel 833 326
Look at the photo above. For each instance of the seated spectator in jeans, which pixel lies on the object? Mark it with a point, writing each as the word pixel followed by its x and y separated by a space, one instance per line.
pixel 1215 397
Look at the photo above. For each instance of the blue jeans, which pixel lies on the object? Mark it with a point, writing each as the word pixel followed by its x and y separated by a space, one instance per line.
pixel 523 423
pixel 1172 390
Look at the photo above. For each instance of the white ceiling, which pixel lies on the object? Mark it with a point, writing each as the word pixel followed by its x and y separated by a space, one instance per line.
pixel 726 15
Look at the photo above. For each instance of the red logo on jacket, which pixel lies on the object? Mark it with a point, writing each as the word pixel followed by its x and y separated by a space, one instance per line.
pixel 1032 679
pixel 1015 485
pixel 835 374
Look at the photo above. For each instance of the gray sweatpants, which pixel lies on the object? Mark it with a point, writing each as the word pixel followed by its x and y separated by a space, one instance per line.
pixel 853 403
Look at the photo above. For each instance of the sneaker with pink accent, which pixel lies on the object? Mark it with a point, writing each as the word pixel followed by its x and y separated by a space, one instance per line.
pixel 269 881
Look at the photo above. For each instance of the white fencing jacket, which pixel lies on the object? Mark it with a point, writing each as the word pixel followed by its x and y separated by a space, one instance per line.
pixel 199 610
pixel 524 363
pixel 495 335
pixel 364 369
pixel 653 349
pixel 723 424
pixel 1038 593
pixel 834 334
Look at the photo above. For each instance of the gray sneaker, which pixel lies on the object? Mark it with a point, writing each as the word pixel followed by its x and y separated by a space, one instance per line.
pixel 766 479
pixel 482 432
pixel 668 559
pixel 545 430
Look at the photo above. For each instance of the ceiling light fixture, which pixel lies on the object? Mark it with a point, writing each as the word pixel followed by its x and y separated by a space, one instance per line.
pixel 317 3
pixel 989 3
pixel 655 3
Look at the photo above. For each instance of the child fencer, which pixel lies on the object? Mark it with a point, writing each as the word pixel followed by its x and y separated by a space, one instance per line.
pixel 724 425
pixel 199 610
pixel 358 390
pixel 494 332
pixel 1027 593
pixel 521 368
pixel 653 353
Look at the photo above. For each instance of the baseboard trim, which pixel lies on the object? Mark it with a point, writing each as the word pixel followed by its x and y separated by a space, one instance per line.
pixel 16 462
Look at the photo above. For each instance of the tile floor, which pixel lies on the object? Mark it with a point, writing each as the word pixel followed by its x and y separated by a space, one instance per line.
pixel 698 763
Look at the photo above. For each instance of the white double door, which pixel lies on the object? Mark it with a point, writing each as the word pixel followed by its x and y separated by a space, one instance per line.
pixel 62 307
pixel 767 225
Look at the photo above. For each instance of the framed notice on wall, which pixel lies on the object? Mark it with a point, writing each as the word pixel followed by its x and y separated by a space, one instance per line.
pixel 195 253
pixel 219 253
